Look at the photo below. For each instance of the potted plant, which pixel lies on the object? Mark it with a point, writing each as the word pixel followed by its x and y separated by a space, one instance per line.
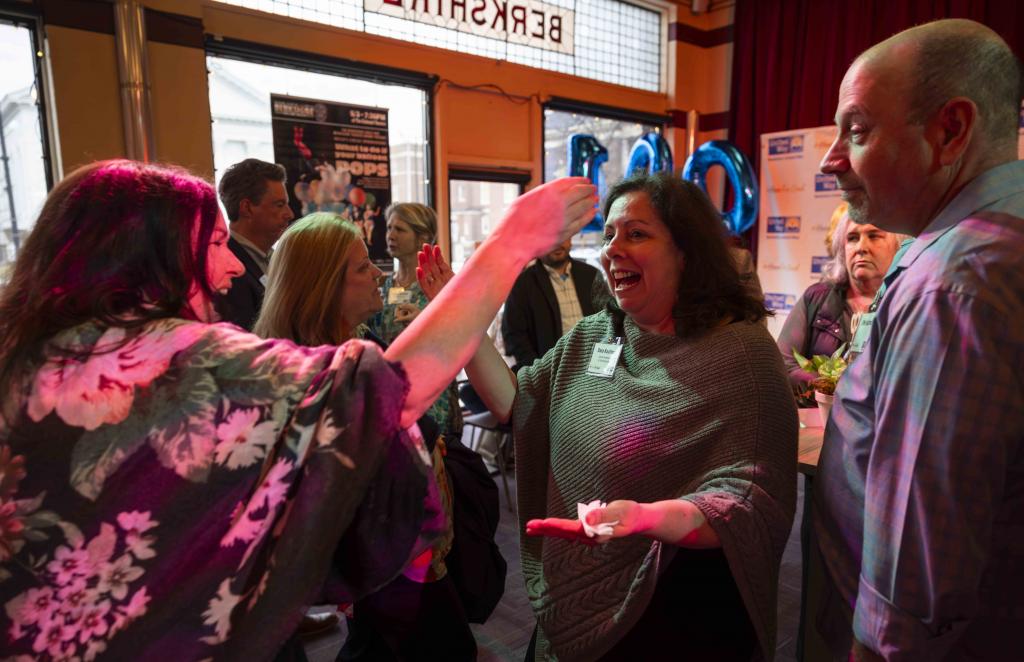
pixel 829 369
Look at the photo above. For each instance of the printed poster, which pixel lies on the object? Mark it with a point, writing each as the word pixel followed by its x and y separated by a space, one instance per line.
pixel 337 159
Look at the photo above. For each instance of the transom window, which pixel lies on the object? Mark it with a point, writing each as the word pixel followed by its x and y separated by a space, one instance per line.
pixel 607 40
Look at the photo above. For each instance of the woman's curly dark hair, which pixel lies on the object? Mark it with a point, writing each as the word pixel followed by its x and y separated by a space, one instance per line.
pixel 710 289
pixel 119 242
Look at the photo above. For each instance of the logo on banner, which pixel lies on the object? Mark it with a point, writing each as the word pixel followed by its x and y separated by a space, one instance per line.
pixel 784 227
pixel 825 185
pixel 780 301
pixel 818 263
pixel 786 147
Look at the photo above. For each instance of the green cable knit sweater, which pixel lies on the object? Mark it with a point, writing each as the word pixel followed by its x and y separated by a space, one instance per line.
pixel 708 419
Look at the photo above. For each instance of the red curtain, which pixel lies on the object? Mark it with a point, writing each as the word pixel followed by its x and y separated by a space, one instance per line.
pixel 789 56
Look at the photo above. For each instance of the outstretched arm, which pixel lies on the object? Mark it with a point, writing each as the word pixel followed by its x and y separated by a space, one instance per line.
pixel 674 522
pixel 443 338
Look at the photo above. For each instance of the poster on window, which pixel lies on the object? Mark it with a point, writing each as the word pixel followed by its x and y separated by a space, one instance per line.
pixel 337 160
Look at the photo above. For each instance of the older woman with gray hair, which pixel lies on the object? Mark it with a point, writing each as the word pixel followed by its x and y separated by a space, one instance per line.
pixel 821 321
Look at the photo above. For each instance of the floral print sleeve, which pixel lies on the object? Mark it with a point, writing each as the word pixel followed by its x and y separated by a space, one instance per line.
pixel 182 492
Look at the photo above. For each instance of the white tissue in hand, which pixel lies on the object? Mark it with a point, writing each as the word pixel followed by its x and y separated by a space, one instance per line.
pixel 604 529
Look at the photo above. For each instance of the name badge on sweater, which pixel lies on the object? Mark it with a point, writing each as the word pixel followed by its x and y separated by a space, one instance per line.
pixel 860 336
pixel 397 295
pixel 605 358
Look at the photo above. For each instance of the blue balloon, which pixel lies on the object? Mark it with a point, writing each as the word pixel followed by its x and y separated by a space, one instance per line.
pixel 737 167
pixel 650 153
pixel 586 156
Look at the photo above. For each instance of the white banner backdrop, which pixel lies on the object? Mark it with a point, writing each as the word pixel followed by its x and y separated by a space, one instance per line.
pixel 796 204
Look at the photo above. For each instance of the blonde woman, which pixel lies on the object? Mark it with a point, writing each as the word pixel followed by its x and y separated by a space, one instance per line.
pixel 410 226
pixel 322 289
pixel 322 286
pixel 821 321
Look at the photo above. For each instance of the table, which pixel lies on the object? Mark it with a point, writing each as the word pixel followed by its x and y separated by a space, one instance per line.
pixel 812 435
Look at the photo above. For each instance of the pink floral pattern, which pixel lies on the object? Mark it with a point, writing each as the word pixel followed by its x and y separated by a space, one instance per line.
pixel 242 440
pixel 173 456
pixel 86 595
pixel 102 390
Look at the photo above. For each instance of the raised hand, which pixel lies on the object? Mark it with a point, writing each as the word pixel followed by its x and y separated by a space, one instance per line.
pixel 433 273
pixel 547 215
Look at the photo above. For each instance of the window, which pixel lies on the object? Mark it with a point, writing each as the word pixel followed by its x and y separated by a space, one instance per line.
pixel 476 210
pixel 240 106
pixel 616 135
pixel 24 167
pixel 599 32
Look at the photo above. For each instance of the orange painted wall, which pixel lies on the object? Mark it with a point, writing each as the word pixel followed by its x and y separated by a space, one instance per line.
pixel 87 95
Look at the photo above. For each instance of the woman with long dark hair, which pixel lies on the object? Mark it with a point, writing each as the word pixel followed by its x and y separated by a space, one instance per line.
pixel 175 489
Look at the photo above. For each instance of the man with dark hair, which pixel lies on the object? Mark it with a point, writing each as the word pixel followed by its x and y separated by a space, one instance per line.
pixel 256 201
pixel 919 501
pixel 546 301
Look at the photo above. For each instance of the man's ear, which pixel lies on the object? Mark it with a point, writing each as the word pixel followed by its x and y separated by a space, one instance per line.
pixel 954 127
pixel 244 209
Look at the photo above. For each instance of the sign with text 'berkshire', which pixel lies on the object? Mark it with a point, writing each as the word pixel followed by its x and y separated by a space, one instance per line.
pixel 524 22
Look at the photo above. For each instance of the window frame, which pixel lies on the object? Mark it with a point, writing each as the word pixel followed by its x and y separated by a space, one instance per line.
pixel 566 105
pixel 521 178
pixel 34 23
pixel 246 51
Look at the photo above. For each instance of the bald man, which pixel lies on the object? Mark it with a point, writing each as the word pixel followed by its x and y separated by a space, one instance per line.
pixel 919 501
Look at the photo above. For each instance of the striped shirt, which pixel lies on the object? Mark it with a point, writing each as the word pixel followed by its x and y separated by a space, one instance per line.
pixel 565 293
pixel 919 507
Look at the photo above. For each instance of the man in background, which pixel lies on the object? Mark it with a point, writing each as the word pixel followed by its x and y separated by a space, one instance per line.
pixel 254 196
pixel 547 300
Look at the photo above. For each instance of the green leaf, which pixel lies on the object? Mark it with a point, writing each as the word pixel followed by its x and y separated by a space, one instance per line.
pixel 802 361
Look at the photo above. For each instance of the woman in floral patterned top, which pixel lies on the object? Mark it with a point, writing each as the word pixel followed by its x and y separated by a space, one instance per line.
pixel 175 489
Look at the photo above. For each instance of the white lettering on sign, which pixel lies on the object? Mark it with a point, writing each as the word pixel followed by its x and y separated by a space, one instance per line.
pixel 294 109
pixel 526 22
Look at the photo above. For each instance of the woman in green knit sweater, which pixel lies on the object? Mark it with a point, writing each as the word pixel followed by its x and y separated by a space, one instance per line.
pixel 673 406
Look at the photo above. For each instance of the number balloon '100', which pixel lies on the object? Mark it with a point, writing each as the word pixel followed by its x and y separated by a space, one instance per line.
pixel 652 153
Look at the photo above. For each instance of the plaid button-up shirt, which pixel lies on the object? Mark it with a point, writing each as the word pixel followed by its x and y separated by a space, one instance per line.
pixel 919 501
pixel 565 293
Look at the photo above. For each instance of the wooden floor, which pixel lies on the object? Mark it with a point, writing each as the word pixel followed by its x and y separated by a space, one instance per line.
pixel 506 634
